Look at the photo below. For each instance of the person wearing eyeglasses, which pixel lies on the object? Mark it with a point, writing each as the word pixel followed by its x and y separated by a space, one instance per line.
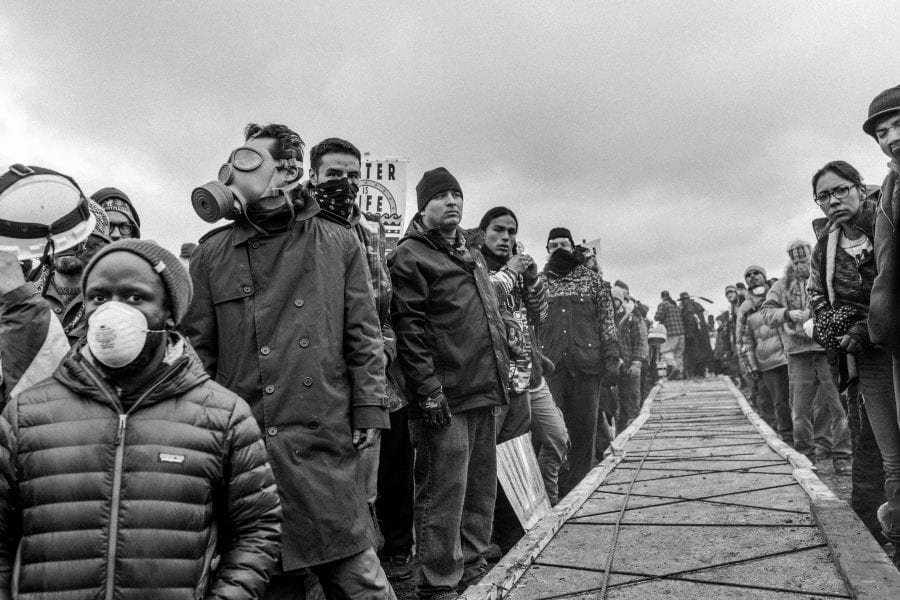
pixel 124 222
pixel 840 285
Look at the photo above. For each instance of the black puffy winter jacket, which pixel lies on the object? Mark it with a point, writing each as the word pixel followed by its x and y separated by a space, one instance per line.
pixel 100 503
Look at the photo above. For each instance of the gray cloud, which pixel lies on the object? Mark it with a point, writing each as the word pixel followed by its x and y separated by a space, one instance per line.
pixel 682 134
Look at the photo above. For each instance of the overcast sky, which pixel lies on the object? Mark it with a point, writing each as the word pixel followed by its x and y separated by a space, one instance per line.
pixel 683 134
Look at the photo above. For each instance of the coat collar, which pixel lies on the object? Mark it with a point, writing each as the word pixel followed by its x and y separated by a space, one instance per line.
pixel 865 222
pixel 244 231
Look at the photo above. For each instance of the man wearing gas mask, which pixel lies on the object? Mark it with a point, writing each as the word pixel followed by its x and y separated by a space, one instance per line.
pixel 283 315
pixel 128 471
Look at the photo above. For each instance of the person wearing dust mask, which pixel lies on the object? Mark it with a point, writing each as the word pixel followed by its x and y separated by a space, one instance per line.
pixel 131 455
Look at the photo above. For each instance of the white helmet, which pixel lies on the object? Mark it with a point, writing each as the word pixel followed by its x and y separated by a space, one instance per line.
pixel 41 211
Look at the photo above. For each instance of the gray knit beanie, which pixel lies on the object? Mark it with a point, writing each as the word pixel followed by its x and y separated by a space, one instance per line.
pixel 174 276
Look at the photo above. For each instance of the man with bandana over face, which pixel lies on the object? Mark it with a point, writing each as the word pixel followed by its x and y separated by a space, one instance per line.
pixel 579 336
pixel 283 315
pixel 129 471
pixel 334 176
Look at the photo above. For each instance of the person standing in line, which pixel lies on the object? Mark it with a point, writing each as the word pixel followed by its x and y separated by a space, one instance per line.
pixel 669 315
pixel 283 315
pixel 840 284
pixel 452 350
pixel 130 473
pixel 883 124
pixel 634 351
pixel 580 338
pixel 764 358
pixel 820 422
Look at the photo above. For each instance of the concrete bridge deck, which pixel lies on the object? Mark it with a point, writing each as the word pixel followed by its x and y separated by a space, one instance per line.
pixel 700 499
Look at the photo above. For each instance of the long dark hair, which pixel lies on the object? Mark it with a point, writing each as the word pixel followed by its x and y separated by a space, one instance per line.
pixel 495 213
pixel 842 169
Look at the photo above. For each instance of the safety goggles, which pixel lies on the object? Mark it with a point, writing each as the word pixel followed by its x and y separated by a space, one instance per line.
pixel 245 159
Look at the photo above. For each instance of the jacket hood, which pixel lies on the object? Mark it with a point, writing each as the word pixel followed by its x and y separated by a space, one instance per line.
pixel 110 192
pixel 865 222
pixel 184 371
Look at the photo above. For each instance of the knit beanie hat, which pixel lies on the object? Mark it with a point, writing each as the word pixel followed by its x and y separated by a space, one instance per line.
pixel 618 293
pixel 101 229
pixel 799 249
pixel 884 104
pixel 114 199
pixel 560 232
pixel 755 268
pixel 174 276
pixel 622 284
pixel 434 182
pixel 730 288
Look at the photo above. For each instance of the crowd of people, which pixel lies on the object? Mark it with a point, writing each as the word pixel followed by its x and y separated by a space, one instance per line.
pixel 259 412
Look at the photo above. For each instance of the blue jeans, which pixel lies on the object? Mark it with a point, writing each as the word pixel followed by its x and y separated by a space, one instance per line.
pixel 456 487
pixel 876 383
pixel 820 422
pixel 629 396
pixel 551 439
pixel 772 398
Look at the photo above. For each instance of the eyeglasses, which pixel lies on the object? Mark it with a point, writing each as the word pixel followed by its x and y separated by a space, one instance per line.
pixel 839 193
pixel 124 228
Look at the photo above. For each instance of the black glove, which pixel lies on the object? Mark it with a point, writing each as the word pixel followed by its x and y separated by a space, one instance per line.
pixel 859 332
pixel 436 411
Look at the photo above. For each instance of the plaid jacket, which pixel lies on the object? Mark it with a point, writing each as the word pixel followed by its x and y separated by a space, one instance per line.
pixel 670 315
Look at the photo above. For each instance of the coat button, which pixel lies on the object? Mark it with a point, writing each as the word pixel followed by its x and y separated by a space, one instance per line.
pixel 307 381
pixel 272 431
pixel 304 342
pixel 264 350
pixel 57 310
pixel 247 289
pixel 564 330
pixel 564 310
pixel 298 302
pixel 313 424
pixel 254 245
pixel 269 389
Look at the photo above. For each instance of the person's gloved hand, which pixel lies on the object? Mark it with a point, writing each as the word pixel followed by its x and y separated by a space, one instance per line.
pixel 857 337
pixel 436 411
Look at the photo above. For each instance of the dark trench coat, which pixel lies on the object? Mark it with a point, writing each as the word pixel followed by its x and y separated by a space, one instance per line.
pixel 288 322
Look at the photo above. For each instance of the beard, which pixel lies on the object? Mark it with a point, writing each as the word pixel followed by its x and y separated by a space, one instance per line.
pixel 69 266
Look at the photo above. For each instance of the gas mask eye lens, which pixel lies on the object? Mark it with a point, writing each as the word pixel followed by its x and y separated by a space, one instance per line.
pixel 246 159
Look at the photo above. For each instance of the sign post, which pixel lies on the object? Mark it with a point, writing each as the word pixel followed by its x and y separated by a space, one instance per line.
pixel 382 190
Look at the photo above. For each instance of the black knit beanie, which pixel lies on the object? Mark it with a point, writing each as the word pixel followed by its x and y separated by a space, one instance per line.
pixel 434 182
pixel 558 232
pixel 497 211
pixel 174 276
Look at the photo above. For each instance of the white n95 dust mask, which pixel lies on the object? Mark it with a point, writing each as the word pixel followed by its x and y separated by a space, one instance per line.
pixel 117 333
